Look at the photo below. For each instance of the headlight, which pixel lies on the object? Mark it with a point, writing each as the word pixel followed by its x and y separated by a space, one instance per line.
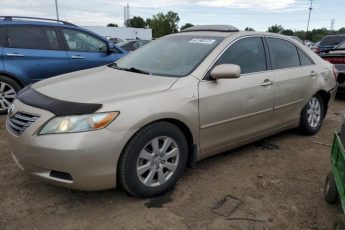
pixel 81 123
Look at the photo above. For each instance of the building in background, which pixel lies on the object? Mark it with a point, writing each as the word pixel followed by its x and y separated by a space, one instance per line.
pixel 122 32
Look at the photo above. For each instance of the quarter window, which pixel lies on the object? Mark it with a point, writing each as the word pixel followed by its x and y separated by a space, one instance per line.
pixel 27 37
pixel 84 42
pixel 248 53
pixel 283 53
pixel 304 59
pixel 2 35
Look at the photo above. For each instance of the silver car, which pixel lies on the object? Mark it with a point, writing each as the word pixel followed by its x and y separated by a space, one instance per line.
pixel 139 122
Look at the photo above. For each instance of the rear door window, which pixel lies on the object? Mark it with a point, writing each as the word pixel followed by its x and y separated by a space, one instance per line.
pixel 283 53
pixel 2 35
pixel 27 37
pixel 248 53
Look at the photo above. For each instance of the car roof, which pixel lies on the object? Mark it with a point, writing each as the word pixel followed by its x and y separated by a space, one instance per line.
pixel 20 20
pixel 227 34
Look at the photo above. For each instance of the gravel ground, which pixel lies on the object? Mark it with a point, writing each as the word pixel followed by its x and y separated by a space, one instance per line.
pixel 273 184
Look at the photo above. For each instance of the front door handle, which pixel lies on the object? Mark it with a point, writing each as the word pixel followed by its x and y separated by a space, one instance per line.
pixel 15 55
pixel 77 57
pixel 266 83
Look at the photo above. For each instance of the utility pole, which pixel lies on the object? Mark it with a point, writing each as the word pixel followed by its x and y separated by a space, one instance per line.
pixel 332 25
pixel 310 9
pixel 57 10
pixel 126 16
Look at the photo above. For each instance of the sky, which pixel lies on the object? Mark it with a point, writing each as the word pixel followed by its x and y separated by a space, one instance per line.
pixel 258 14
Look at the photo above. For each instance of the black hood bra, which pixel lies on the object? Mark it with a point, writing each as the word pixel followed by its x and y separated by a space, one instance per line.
pixel 31 97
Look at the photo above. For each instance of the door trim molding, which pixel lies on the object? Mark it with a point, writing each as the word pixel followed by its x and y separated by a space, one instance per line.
pixel 288 104
pixel 235 118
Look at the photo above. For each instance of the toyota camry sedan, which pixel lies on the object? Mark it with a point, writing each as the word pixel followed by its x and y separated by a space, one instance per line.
pixel 138 123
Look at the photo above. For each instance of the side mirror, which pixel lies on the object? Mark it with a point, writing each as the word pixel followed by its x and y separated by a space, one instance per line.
pixel 226 71
pixel 111 48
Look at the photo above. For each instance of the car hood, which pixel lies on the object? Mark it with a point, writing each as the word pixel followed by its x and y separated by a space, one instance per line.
pixel 102 85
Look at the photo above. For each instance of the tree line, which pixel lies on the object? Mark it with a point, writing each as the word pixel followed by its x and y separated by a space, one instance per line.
pixel 164 24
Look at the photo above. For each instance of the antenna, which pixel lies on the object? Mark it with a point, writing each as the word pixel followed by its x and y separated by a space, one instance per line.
pixel 310 9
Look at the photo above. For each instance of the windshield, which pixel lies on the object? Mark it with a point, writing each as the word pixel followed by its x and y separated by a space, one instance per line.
pixel 332 40
pixel 175 56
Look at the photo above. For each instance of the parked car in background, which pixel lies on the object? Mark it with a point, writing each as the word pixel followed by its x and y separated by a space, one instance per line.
pixel 185 97
pixel 336 56
pixel 315 46
pixel 131 45
pixel 308 43
pixel 33 49
pixel 115 40
pixel 330 42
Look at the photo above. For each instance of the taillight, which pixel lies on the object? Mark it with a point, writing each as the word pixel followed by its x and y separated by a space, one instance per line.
pixel 335 60
pixel 335 73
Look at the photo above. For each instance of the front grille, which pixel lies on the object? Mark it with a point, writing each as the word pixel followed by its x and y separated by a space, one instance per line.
pixel 20 121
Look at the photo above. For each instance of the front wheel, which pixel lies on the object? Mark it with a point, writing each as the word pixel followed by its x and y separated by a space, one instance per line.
pixel 153 160
pixel 312 115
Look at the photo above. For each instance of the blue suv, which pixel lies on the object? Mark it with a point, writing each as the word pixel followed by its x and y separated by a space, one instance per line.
pixel 32 49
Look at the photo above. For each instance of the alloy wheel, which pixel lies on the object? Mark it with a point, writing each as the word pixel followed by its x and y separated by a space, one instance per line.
pixel 7 95
pixel 314 112
pixel 158 161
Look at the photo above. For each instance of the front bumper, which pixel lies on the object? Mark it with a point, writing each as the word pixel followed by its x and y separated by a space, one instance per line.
pixel 83 161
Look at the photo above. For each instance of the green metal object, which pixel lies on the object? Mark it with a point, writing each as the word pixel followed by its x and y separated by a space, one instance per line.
pixel 338 167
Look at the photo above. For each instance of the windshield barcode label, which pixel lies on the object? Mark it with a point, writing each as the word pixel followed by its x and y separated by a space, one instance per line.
pixel 202 41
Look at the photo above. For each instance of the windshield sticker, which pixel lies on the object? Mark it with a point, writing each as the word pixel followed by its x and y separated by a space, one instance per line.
pixel 202 41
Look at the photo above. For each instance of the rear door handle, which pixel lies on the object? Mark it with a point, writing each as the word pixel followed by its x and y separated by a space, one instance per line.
pixel 77 57
pixel 313 73
pixel 15 55
pixel 266 83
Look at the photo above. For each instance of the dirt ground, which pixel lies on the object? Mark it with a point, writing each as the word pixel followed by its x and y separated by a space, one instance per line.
pixel 272 184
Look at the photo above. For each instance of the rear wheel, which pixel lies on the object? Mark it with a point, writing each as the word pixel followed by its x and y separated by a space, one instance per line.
pixel 8 91
pixel 153 160
pixel 330 191
pixel 312 115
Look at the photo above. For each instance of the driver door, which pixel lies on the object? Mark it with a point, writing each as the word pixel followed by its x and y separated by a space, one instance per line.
pixel 233 110
pixel 86 50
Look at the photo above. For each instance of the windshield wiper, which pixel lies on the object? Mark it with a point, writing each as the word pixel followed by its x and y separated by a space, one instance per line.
pixel 136 70
pixel 132 69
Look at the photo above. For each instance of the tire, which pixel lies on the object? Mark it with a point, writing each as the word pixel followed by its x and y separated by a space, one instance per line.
pixel 147 171
pixel 330 192
pixel 312 115
pixel 339 223
pixel 8 91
